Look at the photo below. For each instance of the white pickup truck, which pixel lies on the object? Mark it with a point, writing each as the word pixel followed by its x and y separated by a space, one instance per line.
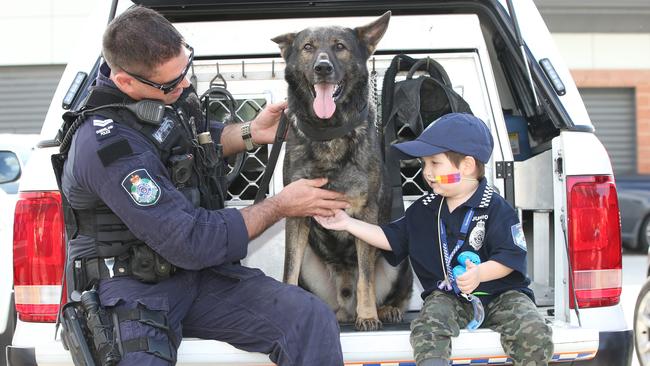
pixel 547 162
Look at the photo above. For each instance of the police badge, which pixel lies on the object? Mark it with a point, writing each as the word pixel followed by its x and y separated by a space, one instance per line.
pixel 477 235
pixel 141 187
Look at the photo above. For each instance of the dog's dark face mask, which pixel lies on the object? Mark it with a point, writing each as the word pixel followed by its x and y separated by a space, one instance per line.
pixel 326 66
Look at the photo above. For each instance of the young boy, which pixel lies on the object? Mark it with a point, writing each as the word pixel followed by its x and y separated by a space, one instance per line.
pixel 463 214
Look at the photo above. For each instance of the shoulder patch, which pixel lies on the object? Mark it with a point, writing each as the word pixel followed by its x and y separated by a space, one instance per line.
pixel 103 128
pixel 141 187
pixel 518 236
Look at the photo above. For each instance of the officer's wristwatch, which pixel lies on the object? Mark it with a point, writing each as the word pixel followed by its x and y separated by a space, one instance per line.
pixel 247 137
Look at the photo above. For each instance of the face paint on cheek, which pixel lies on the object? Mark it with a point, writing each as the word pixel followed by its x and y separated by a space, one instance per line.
pixel 446 179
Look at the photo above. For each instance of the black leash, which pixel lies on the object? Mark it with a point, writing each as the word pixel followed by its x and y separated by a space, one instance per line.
pixel 280 136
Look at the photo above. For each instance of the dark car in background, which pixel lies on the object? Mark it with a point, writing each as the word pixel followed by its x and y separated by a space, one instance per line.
pixel 634 204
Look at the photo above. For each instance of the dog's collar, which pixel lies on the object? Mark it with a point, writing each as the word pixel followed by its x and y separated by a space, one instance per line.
pixel 330 133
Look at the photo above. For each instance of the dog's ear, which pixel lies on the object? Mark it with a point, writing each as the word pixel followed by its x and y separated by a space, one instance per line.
pixel 371 33
pixel 284 41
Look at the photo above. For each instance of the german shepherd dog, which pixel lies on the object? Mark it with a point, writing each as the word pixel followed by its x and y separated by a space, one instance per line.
pixel 331 135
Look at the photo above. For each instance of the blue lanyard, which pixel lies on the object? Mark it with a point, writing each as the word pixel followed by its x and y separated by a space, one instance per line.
pixel 445 248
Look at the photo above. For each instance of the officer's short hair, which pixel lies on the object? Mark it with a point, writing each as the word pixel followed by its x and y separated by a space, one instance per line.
pixel 456 158
pixel 139 40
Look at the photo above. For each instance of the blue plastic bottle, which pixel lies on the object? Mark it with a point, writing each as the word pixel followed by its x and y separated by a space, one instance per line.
pixel 479 311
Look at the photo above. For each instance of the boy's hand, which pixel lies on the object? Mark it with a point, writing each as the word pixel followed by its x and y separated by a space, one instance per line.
pixel 338 221
pixel 470 280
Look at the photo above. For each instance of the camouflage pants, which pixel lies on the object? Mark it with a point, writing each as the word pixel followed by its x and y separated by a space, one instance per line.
pixel 525 337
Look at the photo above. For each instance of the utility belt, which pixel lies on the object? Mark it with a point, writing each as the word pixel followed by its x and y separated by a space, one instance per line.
pixel 139 262
pixel 92 334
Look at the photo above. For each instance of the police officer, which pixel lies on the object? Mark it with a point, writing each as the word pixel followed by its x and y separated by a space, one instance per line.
pixel 152 236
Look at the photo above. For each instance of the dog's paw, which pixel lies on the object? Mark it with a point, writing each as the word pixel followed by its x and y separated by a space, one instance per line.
pixel 343 316
pixel 368 324
pixel 389 314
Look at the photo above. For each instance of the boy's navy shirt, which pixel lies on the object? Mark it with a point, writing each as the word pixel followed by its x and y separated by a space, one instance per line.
pixel 416 235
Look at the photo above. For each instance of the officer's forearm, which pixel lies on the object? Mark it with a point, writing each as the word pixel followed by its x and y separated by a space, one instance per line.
pixel 231 139
pixel 260 216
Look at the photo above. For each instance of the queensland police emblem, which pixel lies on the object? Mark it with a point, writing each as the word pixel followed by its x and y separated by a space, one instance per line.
pixel 142 189
pixel 477 235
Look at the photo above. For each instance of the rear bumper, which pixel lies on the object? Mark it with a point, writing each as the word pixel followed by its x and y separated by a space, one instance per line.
pixel 614 348
pixel 21 356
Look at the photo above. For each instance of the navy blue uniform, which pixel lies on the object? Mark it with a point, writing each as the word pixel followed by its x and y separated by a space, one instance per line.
pixel 211 296
pixel 494 234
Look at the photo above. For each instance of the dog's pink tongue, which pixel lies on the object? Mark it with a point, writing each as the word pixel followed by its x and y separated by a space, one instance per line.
pixel 324 105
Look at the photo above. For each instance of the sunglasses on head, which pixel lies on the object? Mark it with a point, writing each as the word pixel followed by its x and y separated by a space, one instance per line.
pixel 167 87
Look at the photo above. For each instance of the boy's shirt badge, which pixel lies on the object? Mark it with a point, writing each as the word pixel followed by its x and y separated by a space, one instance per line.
pixel 518 236
pixel 141 188
pixel 477 235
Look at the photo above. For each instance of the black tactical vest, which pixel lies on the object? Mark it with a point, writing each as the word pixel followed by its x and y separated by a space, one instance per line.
pixel 98 240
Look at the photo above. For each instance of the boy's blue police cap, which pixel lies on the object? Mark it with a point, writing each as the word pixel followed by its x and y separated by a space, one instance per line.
pixel 458 132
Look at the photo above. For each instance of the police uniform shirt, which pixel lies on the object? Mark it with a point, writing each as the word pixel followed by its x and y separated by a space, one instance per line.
pixel 138 189
pixel 494 234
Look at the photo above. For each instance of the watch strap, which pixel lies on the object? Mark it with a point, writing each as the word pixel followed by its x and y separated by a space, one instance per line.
pixel 247 137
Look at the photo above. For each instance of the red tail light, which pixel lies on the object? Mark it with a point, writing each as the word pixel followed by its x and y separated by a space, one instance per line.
pixel 594 240
pixel 39 255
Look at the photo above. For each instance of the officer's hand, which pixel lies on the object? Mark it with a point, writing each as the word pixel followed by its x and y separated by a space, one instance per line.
pixel 264 126
pixel 304 197
pixel 470 280
pixel 338 221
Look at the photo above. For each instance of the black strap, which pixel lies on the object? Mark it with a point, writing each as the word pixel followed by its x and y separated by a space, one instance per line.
pixel 97 269
pixel 432 67
pixel 70 223
pixel 152 318
pixel 104 95
pixel 156 347
pixel 399 63
pixel 329 133
pixel 280 136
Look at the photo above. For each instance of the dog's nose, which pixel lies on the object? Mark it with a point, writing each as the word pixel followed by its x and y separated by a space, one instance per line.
pixel 323 66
